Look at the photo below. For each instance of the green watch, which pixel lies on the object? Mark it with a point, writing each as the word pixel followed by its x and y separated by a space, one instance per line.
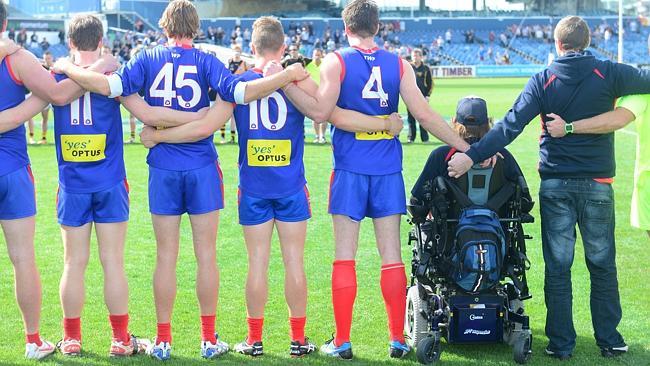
pixel 568 128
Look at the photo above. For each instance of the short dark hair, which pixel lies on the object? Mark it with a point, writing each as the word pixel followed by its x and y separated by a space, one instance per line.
pixel 573 33
pixel 3 13
pixel 85 32
pixel 361 17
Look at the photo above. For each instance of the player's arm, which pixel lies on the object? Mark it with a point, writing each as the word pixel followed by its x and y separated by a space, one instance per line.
pixel 232 88
pixel 14 117
pixel 194 131
pixel 158 116
pixel 302 96
pixel 330 85
pixel 40 82
pixel 524 110
pixel 89 80
pixel 420 109
pixel 605 123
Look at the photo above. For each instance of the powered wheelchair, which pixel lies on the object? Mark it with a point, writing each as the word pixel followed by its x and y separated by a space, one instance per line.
pixel 468 280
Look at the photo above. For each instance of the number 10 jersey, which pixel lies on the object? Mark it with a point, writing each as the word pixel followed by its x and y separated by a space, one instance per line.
pixel 370 84
pixel 271 145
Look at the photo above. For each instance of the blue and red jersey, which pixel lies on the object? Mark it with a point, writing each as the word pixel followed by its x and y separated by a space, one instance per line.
pixel 271 145
pixel 178 78
pixel 13 144
pixel 370 84
pixel 89 143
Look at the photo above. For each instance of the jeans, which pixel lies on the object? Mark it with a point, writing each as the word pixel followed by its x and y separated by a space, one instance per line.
pixel 424 135
pixel 589 204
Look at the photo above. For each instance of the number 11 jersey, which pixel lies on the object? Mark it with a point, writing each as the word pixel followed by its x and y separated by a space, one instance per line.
pixel 177 77
pixel 370 84
pixel 89 143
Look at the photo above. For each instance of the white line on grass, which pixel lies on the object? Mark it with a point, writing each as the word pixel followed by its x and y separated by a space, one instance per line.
pixel 628 132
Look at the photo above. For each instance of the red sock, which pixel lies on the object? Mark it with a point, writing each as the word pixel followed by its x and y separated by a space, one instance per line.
pixel 164 333
pixel 393 288
pixel 120 326
pixel 344 292
pixel 72 328
pixel 207 328
pixel 34 338
pixel 255 327
pixel 298 329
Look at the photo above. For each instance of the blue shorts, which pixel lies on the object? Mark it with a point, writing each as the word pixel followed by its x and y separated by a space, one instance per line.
pixel 196 191
pixel 358 195
pixel 255 211
pixel 17 194
pixel 104 207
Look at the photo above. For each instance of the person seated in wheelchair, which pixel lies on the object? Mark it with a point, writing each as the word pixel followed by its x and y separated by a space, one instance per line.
pixel 469 251
pixel 471 123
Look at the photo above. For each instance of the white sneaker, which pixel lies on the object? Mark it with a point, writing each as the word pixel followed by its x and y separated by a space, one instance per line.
pixel 160 351
pixel 210 351
pixel 36 352
pixel 70 347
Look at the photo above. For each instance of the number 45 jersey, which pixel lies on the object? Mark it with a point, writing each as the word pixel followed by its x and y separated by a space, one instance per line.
pixel 177 78
pixel 370 84
pixel 89 145
pixel 271 145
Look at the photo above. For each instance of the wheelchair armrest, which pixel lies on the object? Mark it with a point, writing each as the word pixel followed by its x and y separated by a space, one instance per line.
pixel 521 182
pixel 418 210
pixel 527 218
pixel 441 185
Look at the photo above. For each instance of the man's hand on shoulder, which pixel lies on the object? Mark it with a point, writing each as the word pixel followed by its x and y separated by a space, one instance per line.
pixel 7 48
pixel 297 72
pixel 272 68
pixel 62 65
pixel 107 64
pixel 556 127
pixel 459 164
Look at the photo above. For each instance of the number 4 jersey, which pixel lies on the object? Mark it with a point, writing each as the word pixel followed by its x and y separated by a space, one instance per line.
pixel 271 145
pixel 89 145
pixel 177 78
pixel 370 84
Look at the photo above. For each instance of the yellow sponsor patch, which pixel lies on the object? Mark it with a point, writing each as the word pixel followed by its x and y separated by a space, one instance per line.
pixel 269 153
pixel 83 148
pixel 374 136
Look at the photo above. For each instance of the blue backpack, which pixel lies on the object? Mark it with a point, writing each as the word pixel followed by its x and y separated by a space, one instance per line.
pixel 480 243
pixel 480 250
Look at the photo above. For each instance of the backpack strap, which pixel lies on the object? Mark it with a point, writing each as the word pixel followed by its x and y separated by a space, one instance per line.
pixel 460 196
pixel 501 197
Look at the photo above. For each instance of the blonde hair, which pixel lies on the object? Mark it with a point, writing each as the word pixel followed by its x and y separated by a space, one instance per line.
pixel 471 132
pixel 180 20
pixel 268 35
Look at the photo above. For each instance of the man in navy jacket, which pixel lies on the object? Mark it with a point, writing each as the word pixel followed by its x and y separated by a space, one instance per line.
pixel 577 172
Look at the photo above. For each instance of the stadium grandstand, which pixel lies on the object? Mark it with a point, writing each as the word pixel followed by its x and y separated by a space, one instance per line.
pixel 518 33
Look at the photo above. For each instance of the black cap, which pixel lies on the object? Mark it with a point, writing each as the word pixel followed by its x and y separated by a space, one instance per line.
pixel 472 111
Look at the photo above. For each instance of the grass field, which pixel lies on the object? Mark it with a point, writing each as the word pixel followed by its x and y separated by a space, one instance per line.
pixel 369 331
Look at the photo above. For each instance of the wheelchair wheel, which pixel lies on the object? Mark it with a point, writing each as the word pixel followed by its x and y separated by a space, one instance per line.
pixel 523 348
pixel 429 350
pixel 416 326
